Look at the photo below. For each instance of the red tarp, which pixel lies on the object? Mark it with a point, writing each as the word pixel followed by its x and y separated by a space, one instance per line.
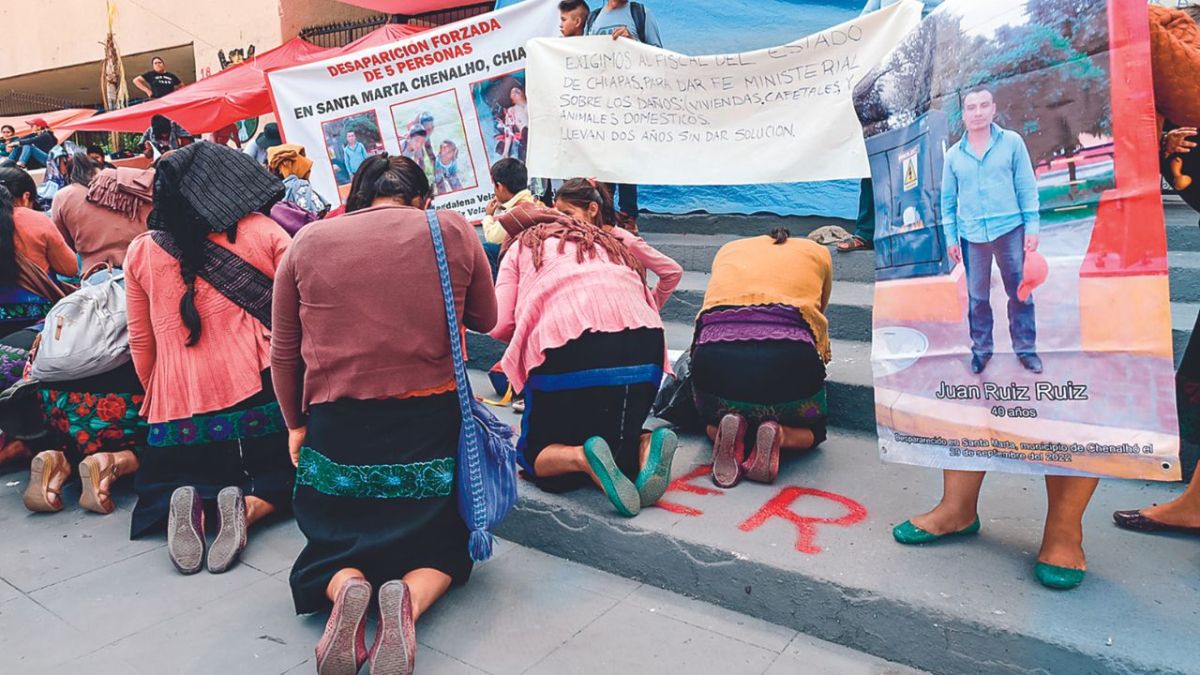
pixel 237 93
pixel 215 102
pixel 410 6
pixel 57 119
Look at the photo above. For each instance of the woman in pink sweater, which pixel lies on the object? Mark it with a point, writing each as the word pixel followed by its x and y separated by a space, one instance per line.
pixel 586 345
pixel 591 202
pixel 199 303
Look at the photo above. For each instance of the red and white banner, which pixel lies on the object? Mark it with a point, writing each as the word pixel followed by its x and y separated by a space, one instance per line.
pixel 451 99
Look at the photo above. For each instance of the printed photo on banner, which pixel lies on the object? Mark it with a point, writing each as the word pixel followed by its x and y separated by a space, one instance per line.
pixel 432 134
pixel 503 111
pixel 424 95
pixel 349 141
pixel 1002 238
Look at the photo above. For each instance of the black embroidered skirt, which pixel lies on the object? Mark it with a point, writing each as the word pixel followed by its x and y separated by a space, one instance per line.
pixel 761 380
pixel 375 491
pixel 584 389
pixel 243 446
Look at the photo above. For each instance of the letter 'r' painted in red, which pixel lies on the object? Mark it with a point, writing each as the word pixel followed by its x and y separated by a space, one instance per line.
pixel 806 526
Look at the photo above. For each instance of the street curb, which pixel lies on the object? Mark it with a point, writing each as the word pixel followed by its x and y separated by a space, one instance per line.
pixel 886 627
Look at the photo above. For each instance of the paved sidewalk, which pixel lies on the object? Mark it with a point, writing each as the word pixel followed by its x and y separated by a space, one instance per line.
pixel 76 596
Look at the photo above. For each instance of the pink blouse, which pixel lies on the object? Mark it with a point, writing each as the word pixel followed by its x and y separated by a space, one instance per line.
pixel 547 308
pixel 225 367
pixel 668 271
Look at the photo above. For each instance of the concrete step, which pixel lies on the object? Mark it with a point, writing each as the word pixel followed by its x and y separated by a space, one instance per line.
pixel 696 252
pixel 814 553
pixel 1183 234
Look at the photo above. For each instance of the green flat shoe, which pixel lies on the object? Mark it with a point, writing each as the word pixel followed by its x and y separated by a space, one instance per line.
pixel 908 534
pixel 620 490
pixel 654 478
pixel 1058 578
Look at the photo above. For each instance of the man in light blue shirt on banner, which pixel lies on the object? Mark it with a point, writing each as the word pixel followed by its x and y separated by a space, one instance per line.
pixel 633 20
pixel 990 210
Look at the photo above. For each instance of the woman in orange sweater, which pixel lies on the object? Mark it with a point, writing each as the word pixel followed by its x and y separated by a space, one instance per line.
pixel 758 359
pixel 199 297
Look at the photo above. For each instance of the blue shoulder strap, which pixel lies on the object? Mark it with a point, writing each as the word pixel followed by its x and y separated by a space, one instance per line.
pixel 638 10
pixel 470 452
pixel 456 349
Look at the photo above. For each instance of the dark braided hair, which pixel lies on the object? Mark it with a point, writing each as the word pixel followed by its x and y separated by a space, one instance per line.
pixel 190 231
pixel 583 192
pixel 780 235
pixel 8 248
pixel 81 169
pixel 20 183
pixel 384 176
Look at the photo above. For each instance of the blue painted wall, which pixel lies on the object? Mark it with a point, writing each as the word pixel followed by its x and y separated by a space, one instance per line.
pixel 725 26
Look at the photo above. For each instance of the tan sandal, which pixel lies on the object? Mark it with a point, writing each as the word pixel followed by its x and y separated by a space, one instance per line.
pixel 45 466
pixel 91 475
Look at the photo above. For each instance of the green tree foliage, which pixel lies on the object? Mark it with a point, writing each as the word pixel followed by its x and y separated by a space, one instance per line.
pixel 1049 75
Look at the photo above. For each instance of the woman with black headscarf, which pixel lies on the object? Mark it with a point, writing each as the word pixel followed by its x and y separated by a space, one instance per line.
pixel 199 296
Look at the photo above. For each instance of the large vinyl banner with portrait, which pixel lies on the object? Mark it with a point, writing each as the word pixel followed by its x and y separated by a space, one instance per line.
pixel 1022 314
pixel 452 99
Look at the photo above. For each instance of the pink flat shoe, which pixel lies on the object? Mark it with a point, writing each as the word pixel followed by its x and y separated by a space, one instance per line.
pixel 395 648
pixel 763 464
pixel 343 648
pixel 729 451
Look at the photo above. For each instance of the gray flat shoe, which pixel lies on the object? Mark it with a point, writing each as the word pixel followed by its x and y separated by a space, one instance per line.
pixel 231 535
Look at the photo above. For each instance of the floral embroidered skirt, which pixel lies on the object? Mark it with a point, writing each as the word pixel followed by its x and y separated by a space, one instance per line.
pixel 779 380
pixel 243 446
pixel 95 414
pixel 375 492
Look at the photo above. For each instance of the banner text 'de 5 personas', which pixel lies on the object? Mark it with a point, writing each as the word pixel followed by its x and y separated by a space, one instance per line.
pixel 452 99
pixel 627 112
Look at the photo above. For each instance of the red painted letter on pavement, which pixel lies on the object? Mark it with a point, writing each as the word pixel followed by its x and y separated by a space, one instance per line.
pixel 780 507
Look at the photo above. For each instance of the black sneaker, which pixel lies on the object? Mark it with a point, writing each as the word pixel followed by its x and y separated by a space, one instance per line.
pixel 979 362
pixel 1032 363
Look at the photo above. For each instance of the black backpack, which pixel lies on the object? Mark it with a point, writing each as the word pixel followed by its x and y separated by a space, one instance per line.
pixel 637 9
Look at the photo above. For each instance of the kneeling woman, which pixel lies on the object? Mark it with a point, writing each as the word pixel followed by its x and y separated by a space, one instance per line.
pixel 758 360
pixel 199 303
pixel 372 412
pixel 587 347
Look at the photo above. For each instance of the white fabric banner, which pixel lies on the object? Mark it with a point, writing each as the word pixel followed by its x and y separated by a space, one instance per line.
pixel 452 99
pixel 621 111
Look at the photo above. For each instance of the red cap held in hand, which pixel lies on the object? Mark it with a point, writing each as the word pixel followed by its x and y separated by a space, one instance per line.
pixel 1036 271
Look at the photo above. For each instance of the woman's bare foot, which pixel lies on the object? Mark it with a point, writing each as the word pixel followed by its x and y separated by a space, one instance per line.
pixel 944 519
pixel 15 451
pixel 1181 512
pixel 1063 547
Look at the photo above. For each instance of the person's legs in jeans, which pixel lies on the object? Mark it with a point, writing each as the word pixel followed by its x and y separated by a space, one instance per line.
pixel 1010 258
pixel 977 258
pixel 864 227
pixel 626 197
pixel 493 256
pixel 32 152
